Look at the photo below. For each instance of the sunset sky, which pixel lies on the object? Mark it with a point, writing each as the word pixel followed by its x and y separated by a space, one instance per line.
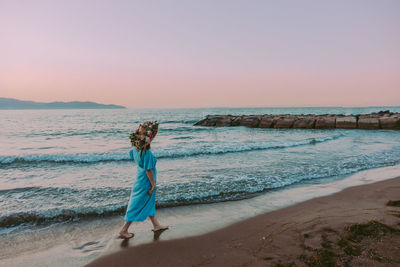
pixel 208 53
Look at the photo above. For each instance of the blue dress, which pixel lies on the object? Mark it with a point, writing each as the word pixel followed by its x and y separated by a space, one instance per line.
pixel 141 205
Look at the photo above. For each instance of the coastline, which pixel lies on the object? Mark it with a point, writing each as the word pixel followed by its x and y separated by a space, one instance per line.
pixel 79 243
pixel 317 231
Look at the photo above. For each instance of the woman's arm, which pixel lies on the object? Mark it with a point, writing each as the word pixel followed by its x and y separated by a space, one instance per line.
pixel 150 176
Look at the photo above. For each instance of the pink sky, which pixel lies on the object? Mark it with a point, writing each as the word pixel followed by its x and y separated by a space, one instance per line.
pixel 202 53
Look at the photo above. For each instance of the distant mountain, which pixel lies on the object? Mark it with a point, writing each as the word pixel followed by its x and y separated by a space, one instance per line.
pixel 10 103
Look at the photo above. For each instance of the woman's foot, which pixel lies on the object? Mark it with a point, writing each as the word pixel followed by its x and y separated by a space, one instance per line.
pixel 156 224
pixel 160 227
pixel 125 235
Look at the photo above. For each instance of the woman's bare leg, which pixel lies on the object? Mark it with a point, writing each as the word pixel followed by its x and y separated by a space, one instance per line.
pixel 156 225
pixel 124 231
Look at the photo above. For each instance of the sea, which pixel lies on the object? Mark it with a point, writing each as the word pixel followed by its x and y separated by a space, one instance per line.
pixel 64 166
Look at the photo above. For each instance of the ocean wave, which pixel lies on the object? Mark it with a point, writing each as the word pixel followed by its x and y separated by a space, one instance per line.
pixel 180 121
pixel 56 215
pixel 189 129
pixel 62 158
pixel 82 158
pixel 78 132
pixel 212 190
pixel 77 203
pixel 182 137
pixel 17 190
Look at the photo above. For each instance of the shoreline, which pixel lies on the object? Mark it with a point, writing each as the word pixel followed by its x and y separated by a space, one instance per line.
pixel 79 243
pixel 319 230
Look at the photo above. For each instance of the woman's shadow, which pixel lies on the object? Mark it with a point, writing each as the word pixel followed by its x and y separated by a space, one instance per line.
pixel 157 234
pixel 125 243
pixel 156 237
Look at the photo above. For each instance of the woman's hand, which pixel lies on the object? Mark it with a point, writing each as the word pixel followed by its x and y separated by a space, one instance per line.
pixel 150 175
pixel 151 190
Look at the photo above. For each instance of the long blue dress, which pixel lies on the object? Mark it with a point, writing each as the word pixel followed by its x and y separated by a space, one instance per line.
pixel 141 205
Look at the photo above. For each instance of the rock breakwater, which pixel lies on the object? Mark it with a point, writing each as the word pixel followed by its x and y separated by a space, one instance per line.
pixel 379 120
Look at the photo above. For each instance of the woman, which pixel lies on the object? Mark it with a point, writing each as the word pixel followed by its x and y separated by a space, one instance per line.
pixel 142 202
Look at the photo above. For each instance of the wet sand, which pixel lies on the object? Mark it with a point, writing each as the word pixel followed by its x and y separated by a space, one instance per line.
pixel 355 227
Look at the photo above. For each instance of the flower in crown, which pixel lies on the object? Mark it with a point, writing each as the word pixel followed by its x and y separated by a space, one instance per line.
pixel 141 138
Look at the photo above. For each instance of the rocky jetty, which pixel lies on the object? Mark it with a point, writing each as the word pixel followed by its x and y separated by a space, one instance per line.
pixel 377 120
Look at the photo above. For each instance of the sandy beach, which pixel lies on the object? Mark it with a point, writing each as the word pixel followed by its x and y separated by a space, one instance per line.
pixel 358 226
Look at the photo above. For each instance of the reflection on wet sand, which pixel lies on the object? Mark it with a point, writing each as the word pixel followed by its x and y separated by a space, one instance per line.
pixel 125 243
pixel 156 237
pixel 157 234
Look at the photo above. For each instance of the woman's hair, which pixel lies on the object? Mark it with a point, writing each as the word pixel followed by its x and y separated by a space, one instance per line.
pixel 143 135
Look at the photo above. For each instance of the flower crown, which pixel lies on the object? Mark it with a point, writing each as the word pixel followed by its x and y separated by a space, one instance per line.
pixel 141 138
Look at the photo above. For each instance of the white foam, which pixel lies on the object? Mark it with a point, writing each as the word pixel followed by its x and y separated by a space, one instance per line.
pixel 161 153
